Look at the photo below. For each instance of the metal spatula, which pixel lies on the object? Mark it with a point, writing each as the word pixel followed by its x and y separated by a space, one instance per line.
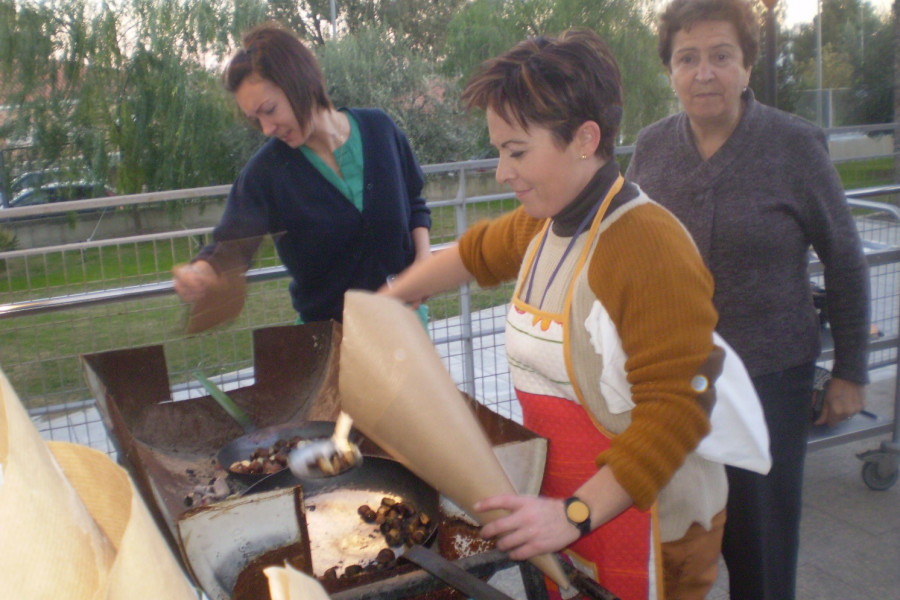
pixel 329 457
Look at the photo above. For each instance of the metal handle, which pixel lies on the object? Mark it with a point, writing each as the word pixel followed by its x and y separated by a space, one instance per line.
pixel 226 403
pixel 453 575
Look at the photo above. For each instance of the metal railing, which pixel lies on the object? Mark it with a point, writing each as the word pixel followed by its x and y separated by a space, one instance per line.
pixel 85 307
pixel 63 300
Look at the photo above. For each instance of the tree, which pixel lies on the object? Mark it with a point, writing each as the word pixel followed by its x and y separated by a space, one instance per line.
pixel 837 70
pixel 126 88
pixel 486 28
pixel 131 87
pixel 418 25
pixel 786 77
pixel 872 86
pixel 310 19
pixel 855 54
pixel 362 70
pixel 132 90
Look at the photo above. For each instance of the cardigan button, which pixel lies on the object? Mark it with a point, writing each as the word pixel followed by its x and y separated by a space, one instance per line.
pixel 700 383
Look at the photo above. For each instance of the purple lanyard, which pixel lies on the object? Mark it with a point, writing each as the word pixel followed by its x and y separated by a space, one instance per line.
pixel 581 227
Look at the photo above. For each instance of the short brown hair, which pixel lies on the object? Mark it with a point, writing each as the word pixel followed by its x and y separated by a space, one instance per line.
pixel 277 55
pixel 682 14
pixel 558 83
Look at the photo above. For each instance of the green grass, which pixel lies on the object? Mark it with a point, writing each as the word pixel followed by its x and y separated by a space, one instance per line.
pixel 866 173
pixel 101 268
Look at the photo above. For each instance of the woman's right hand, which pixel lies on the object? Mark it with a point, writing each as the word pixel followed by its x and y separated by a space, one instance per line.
pixel 440 271
pixel 193 281
pixel 391 289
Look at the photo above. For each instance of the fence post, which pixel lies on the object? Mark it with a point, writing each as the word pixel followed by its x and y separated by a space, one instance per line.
pixel 465 295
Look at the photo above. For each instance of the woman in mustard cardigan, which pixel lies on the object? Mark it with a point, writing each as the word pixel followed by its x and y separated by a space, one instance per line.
pixel 609 333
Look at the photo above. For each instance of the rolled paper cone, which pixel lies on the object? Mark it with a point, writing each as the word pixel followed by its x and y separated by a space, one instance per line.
pixel 287 583
pixel 222 303
pixel 401 396
pixel 71 523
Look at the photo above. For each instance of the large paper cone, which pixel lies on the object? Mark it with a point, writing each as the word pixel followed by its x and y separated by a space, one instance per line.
pixel 400 395
pixel 71 523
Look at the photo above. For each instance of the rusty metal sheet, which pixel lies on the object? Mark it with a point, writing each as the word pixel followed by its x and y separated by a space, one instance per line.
pixel 170 447
pixel 222 539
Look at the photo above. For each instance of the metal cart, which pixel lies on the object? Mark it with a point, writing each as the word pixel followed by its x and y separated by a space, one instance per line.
pixel 879 226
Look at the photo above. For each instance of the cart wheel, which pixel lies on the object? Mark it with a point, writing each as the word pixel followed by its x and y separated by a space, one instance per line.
pixel 875 480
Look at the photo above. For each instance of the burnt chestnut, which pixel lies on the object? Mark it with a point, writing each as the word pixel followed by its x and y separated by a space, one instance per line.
pixel 352 570
pixel 393 537
pixel 368 515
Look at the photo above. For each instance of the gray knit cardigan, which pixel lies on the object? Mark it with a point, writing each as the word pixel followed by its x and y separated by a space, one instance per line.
pixel 755 209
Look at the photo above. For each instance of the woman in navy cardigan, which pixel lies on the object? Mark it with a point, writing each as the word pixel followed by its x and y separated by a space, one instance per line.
pixel 338 189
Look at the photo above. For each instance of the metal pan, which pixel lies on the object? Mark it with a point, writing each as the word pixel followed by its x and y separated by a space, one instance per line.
pixel 338 535
pixel 265 437
pixel 254 438
pixel 453 575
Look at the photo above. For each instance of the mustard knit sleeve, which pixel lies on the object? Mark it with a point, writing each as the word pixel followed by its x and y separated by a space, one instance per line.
pixel 649 276
pixel 493 250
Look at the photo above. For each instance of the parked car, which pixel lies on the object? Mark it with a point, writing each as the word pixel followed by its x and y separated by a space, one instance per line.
pixel 33 179
pixel 51 193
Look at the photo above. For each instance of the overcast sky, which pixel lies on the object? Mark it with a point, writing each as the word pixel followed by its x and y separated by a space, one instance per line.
pixel 803 11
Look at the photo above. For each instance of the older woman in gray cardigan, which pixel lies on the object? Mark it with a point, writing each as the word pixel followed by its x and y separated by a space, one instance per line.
pixel 756 189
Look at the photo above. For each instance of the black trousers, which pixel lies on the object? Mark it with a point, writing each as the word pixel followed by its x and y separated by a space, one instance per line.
pixel 762 530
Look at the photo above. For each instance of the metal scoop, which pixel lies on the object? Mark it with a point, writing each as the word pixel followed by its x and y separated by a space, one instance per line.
pixel 328 457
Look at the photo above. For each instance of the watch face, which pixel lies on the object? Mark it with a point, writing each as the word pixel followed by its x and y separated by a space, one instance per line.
pixel 578 511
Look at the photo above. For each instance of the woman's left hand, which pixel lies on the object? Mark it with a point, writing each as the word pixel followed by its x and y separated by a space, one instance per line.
pixel 535 525
pixel 842 400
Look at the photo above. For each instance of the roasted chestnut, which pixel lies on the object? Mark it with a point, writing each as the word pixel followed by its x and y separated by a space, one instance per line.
pixel 368 515
pixel 385 556
pixel 265 460
pixel 399 522
pixel 352 570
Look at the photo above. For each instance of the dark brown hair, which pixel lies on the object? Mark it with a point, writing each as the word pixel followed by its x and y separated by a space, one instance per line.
pixel 276 54
pixel 558 83
pixel 682 14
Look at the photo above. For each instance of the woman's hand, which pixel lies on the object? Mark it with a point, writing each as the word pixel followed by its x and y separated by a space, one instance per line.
pixel 843 399
pixel 194 280
pixel 535 525
pixel 434 273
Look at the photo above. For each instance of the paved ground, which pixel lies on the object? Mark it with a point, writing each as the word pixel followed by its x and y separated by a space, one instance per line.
pixel 850 534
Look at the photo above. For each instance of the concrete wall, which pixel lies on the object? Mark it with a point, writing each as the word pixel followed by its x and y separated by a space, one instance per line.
pixel 71 227
pixel 850 146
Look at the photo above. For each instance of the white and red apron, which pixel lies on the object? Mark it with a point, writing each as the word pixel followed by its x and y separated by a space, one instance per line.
pixel 623 554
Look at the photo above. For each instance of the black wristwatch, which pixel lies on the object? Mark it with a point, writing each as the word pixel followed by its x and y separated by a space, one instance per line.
pixel 579 514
